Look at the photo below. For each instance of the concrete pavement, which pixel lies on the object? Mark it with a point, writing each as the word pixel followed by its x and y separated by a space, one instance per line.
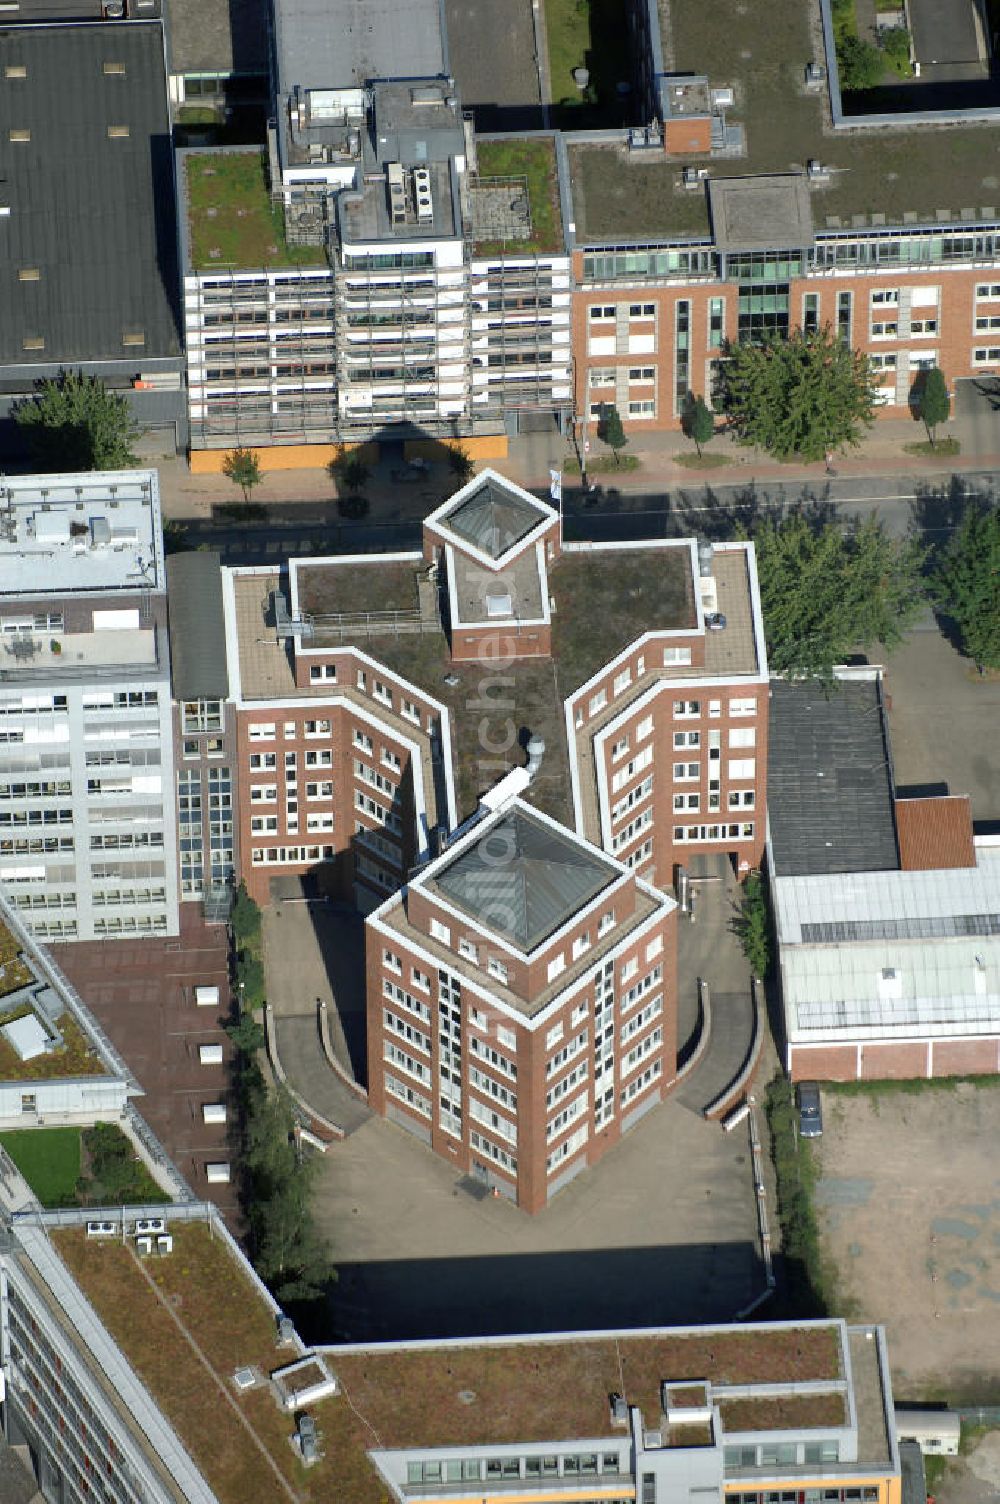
pixel 882 453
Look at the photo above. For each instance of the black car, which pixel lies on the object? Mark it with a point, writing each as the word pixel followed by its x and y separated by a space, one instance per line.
pixel 810 1111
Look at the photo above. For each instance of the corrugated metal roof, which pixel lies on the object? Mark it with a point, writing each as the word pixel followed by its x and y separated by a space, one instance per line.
pixel 935 832
pixel 524 879
pixel 198 664
pixel 88 179
pixel 890 953
pixel 828 787
pixel 867 897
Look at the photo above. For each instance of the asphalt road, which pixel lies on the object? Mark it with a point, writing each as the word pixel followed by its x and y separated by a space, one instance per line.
pixel 932 504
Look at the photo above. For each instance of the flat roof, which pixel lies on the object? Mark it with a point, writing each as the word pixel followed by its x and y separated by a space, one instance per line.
pixel 218 36
pixel 231 219
pixel 198 666
pixel 96 533
pixel 185 1323
pixel 90 263
pixel 762 53
pixel 343 44
pixel 198 1318
pixel 755 214
pixel 523 878
pixel 829 792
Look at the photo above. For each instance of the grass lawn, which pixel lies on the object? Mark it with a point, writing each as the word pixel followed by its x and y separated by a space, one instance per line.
pixel 588 34
pixel 534 160
pixel 76 1058
pixel 231 219
pixel 941 450
pixel 49 1160
pixel 702 461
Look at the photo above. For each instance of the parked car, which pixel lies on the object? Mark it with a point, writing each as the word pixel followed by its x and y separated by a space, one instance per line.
pixel 810 1110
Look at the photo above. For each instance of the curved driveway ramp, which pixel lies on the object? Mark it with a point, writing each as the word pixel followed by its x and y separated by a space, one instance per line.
pixel 721 1074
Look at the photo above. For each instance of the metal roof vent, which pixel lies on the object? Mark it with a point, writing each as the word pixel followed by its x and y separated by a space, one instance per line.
pixel 536 751
pixel 619 1410
pixel 704 558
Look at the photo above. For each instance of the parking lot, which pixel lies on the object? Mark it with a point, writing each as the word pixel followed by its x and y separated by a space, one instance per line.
pixel 909 1210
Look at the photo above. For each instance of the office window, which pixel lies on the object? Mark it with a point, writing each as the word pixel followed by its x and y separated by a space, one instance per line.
pixel 810 312
pixel 682 353
pixel 716 323
pixel 844 302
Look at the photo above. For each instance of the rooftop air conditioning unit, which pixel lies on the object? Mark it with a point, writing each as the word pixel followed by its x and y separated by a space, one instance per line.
pixel 397 194
pixel 722 99
pixel 144 1245
pixel 816 172
pixel 422 194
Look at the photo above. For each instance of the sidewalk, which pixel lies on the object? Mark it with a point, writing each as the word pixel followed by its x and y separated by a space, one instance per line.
pixel 882 453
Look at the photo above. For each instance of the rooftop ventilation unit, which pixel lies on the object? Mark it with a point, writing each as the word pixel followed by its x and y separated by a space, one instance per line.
pixel 397 193
pixel 422 194
pixel 693 177
pixel 722 99
pixel 498 602
pixel 816 172
pixel 619 1410
pixel 704 558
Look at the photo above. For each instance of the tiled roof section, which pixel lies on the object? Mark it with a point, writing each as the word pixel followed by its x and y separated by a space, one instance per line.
pixel 828 780
pixel 935 833
pixel 524 878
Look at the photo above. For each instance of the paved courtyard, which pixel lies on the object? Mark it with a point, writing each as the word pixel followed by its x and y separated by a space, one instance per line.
pixel 662 1230
pixel 909 1204
pixel 142 992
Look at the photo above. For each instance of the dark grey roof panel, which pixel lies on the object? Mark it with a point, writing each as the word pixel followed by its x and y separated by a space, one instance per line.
pixel 829 791
pixel 523 879
pixel 493 518
pixel 197 627
pixel 92 216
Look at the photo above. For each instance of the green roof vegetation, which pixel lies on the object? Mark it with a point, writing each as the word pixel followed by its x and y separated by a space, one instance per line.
pixel 586 34
pixel 198 1294
pixel 76 1057
pixel 231 219
pixel 786 1412
pixel 762 52
pixel 535 160
pixel 49 1160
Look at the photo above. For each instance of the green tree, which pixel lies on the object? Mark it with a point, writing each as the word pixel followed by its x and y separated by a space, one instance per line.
pixel 610 430
pixel 859 64
pixel 349 470
pixel 247 1035
pixel 288 1252
pixel 698 421
pixel 243 468
pixel 967 585
pixel 250 979
pixel 802 396
pixel 460 463
pixel 752 925
pixel 827 590
pixel 73 422
pixel 244 920
pixel 933 401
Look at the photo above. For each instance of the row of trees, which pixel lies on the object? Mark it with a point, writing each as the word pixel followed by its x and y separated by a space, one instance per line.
pixel 288 1251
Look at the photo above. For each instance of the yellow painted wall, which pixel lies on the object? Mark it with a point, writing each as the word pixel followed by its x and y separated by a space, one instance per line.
pixel 283 457
pixel 492 446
